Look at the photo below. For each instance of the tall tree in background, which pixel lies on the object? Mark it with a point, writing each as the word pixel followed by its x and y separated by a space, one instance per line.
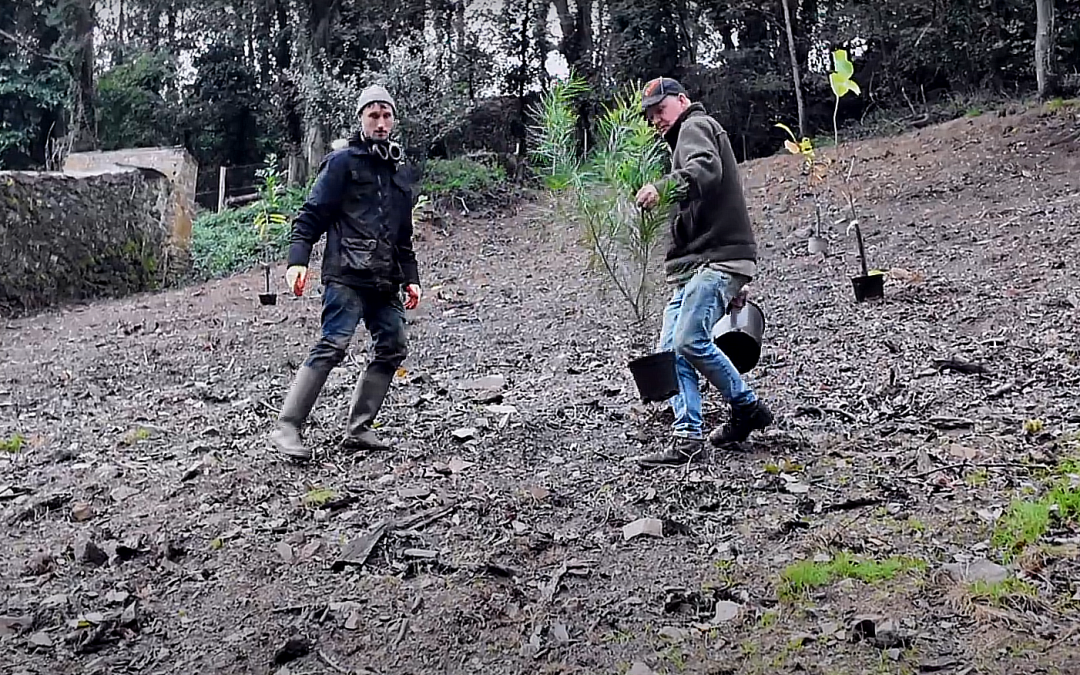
pixel 1045 65
pixel 576 26
pixel 794 68
pixel 81 49
pixel 70 69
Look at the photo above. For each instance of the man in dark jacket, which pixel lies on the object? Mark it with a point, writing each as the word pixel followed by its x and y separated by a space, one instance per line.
pixel 362 200
pixel 711 256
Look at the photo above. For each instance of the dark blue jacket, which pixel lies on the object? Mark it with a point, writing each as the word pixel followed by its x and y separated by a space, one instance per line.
pixel 363 204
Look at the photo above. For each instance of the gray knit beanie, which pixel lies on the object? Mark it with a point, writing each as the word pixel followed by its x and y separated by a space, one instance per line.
pixel 374 94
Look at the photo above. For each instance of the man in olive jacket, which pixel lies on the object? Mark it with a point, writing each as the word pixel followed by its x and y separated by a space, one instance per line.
pixel 712 255
pixel 362 201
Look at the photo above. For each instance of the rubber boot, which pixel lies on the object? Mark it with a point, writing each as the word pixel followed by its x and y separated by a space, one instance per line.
pixel 367 400
pixel 294 412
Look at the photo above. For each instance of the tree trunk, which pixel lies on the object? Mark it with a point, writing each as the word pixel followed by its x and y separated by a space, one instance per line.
pixel 320 21
pixel 1045 72
pixel 804 20
pixel 83 125
pixel 576 44
pixel 795 69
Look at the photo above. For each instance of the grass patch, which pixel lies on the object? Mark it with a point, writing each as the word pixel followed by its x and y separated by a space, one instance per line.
pixel 801 577
pixel 12 444
pixel 768 619
pixel 231 241
pixel 453 177
pixel 985 601
pixel 1027 520
pixel 228 242
pixel 913 524
pixel 1057 104
pixel 135 435
pixel 1001 594
pixel 318 497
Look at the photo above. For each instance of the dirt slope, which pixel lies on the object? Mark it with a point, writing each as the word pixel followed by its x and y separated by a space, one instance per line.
pixel 144 422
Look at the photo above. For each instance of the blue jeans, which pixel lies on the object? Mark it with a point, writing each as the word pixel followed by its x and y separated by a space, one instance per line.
pixel 343 308
pixel 687 329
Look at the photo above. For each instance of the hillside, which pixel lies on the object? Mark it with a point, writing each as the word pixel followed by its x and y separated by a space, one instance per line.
pixel 832 545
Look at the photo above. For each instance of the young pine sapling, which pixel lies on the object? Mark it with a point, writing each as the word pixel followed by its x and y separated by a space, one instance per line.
pixel 599 187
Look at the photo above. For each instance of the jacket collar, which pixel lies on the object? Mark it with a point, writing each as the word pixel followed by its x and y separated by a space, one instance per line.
pixel 693 110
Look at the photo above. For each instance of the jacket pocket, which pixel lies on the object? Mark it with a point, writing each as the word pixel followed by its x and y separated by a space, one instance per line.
pixel 367 257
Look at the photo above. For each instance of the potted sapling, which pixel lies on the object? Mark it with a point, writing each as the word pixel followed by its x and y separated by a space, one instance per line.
pixel 269 221
pixel 597 190
pixel 870 284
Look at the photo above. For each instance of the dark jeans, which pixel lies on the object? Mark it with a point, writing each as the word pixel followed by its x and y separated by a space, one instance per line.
pixel 343 308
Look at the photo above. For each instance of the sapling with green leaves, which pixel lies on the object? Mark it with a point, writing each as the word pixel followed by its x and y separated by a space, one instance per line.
pixel 600 185
pixel 814 166
pixel 272 213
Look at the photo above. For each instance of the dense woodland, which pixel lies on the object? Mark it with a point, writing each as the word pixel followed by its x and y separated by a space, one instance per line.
pixel 236 80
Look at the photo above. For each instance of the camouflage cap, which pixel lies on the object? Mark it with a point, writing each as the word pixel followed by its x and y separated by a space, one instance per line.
pixel 657 90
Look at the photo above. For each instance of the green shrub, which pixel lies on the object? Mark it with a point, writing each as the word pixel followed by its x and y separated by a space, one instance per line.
pixel 229 242
pixel 449 177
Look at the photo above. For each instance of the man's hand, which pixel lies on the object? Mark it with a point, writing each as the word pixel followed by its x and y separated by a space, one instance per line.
pixel 739 301
pixel 413 299
pixel 296 277
pixel 648 196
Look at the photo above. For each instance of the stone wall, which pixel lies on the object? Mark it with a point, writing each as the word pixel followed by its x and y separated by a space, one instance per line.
pixel 81 235
pixel 178 212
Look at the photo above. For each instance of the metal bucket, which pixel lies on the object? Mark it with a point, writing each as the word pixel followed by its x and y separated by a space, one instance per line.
pixel 739 335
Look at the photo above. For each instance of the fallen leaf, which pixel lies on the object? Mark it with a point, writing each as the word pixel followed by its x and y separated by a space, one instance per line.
pixel 464 433
pixel 726 611
pixel 538 493
pixel 310 549
pixel 651 527
pixel 81 512
pixel 353 622
pixel 41 639
pixel 457 465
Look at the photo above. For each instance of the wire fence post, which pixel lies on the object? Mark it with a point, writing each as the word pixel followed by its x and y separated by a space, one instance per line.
pixel 221 189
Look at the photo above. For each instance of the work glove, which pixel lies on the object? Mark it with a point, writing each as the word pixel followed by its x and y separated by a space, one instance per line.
pixel 412 291
pixel 296 277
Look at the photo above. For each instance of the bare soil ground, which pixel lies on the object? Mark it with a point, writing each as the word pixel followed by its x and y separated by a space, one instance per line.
pixel 147 530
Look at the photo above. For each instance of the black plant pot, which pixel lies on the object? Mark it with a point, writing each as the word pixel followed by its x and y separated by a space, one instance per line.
pixel 655 377
pixel 869 287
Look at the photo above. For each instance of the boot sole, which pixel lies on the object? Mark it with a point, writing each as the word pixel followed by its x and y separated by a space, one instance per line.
pixel 353 446
pixel 290 455
pixel 697 458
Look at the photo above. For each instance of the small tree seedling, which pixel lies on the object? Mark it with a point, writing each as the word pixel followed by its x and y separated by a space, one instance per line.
pixel 599 185
pixel 271 215
pixel 816 168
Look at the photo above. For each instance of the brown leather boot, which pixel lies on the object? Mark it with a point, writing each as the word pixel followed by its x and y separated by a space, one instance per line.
pixel 744 421
pixel 680 452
